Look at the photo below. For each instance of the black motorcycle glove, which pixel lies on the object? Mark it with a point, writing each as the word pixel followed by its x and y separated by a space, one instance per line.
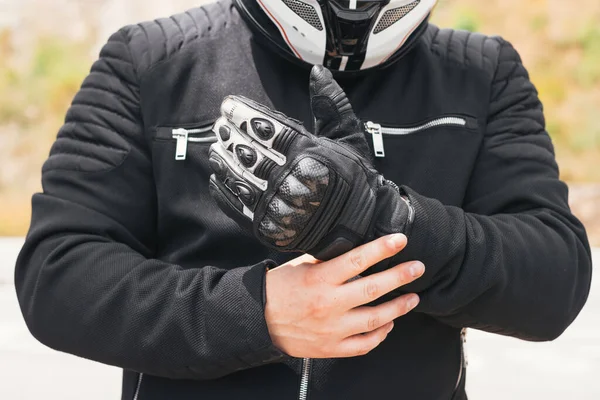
pixel 296 191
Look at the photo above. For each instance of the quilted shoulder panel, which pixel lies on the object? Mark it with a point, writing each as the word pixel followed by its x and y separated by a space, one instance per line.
pixel 102 122
pixel 154 41
pixel 464 48
pixel 515 108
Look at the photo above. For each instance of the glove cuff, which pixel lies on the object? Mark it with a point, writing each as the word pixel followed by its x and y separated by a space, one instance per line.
pixel 394 211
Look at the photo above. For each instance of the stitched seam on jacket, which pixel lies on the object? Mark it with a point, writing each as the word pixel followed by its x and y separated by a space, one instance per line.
pixel 76 154
pixel 77 121
pixel 466 57
pixel 172 18
pixel 103 108
pixel 165 36
pixel 105 90
pixel 490 100
pixel 66 135
pixel 506 81
pixel 194 22
pixel 137 84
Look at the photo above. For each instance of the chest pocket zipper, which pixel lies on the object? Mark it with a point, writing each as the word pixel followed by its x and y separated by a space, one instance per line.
pixel 183 136
pixel 200 132
pixel 377 131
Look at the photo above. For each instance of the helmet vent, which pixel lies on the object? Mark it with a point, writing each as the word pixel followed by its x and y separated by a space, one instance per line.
pixel 306 12
pixel 390 17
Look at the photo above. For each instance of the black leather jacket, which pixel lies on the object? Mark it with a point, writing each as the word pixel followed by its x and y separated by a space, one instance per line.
pixel 129 261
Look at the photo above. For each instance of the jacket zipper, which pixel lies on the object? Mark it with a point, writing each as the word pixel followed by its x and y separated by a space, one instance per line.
pixel 463 358
pixel 305 379
pixel 377 131
pixel 182 136
pixel 137 388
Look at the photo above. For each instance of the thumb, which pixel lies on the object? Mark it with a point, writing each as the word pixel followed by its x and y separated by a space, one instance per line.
pixel 330 105
pixel 334 117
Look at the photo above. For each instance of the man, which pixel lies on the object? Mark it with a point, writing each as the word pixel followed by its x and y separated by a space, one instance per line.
pixel 427 172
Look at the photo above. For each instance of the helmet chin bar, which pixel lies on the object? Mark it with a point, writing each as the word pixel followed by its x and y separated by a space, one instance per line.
pixel 349 26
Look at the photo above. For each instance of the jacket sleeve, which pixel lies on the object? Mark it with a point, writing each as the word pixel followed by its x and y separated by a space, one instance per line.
pixel 86 279
pixel 513 260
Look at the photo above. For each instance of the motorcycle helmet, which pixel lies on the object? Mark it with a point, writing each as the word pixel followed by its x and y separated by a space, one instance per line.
pixel 343 35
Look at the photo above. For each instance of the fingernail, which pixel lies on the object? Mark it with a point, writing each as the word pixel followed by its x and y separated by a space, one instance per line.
pixel 390 328
pixel 412 301
pixel 416 269
pixel 397 240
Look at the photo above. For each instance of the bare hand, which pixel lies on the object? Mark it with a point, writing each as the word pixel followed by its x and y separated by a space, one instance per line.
pixel 312 311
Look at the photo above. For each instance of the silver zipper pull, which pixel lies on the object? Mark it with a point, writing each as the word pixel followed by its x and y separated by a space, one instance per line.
pixel 181 135
pixel 375 131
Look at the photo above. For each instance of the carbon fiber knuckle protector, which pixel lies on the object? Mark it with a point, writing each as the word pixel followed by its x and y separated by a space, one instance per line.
pixel 295 203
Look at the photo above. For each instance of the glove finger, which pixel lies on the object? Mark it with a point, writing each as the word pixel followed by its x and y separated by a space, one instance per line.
pixel 230 204
pixel 334 116
pixel 271 129
pixel 248 153
pixel 247 188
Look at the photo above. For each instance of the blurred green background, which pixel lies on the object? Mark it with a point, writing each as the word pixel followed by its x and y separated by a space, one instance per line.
pixel 46 49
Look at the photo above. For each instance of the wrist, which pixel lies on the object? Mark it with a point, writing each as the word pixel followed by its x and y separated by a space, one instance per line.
pixel 268 309
pixel 410 218
pixel 395 211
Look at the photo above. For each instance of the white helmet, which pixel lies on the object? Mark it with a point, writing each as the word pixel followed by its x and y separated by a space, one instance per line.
pixel 343 35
